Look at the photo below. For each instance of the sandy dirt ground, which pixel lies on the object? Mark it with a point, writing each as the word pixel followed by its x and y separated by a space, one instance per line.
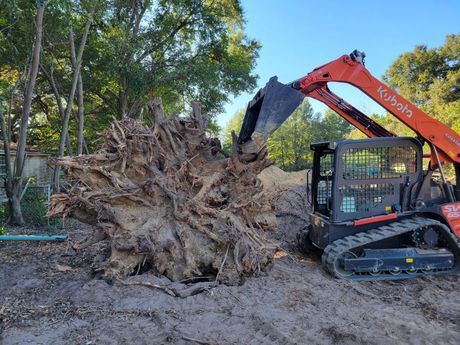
pixel 49 294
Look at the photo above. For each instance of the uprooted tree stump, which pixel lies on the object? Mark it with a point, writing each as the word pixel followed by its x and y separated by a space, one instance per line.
pixel 169 199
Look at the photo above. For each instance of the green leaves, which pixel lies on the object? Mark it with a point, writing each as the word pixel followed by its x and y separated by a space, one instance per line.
pixel 431 79
pixel 289 146
pixel 195 50
pixel 180 50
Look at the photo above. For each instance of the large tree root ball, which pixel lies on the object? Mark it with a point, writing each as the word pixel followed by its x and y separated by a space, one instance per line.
pixel 168 199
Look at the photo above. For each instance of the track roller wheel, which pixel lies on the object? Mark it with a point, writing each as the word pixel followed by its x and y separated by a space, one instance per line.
pixel 338 264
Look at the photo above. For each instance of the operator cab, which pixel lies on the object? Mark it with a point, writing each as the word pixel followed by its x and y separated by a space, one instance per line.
pixel 356 179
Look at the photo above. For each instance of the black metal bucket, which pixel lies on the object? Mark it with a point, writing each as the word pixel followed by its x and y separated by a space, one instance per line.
pixel 269 108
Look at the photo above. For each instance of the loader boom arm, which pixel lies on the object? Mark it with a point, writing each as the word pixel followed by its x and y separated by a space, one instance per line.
pixel 358 119
pixel 350 69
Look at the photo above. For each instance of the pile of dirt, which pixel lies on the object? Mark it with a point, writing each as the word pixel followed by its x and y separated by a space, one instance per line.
pixel 168 199
pixel 273 179
pixel 288 193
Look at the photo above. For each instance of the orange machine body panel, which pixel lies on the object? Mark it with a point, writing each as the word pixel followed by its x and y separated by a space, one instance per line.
pixel 452 214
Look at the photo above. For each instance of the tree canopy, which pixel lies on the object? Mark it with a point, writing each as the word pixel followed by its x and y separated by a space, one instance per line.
pixel 430 78
pixel 179 50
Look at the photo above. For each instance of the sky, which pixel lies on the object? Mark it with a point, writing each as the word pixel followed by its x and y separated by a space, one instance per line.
pixel 299 35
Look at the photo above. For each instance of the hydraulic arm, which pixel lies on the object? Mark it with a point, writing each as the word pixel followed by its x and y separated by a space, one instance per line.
pixel 350 69
pixel 275 103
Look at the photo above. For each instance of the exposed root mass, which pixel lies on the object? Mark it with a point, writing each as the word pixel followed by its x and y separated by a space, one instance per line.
pixel 166 198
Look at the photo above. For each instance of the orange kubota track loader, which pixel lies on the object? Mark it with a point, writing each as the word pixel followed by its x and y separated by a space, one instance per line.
pixel 376 212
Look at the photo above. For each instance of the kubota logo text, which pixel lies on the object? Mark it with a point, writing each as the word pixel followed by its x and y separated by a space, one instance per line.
pixel 451 138
pixel 383 93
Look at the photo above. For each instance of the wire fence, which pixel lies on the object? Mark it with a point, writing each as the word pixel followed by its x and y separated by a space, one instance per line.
pixel 35 203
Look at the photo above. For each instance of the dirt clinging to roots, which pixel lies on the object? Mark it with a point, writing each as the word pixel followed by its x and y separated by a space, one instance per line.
pixel 168 199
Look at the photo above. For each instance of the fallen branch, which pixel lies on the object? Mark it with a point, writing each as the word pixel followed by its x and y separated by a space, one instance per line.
pixel 150 285
pixel 203 342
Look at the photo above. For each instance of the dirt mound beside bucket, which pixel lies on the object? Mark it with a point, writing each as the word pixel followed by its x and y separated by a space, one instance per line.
pixel 288 193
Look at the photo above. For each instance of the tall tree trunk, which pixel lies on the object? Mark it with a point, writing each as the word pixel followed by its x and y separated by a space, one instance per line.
pixel 80 103
pixel 68 110
pixel 80 117
pixel 138 10
pixel 16 212
pixel 85 146
pixel 123 96
pixel 6 137
pixel 57 95
pixel 8 163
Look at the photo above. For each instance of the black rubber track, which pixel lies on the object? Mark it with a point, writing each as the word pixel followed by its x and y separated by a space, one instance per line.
pixel 333 252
